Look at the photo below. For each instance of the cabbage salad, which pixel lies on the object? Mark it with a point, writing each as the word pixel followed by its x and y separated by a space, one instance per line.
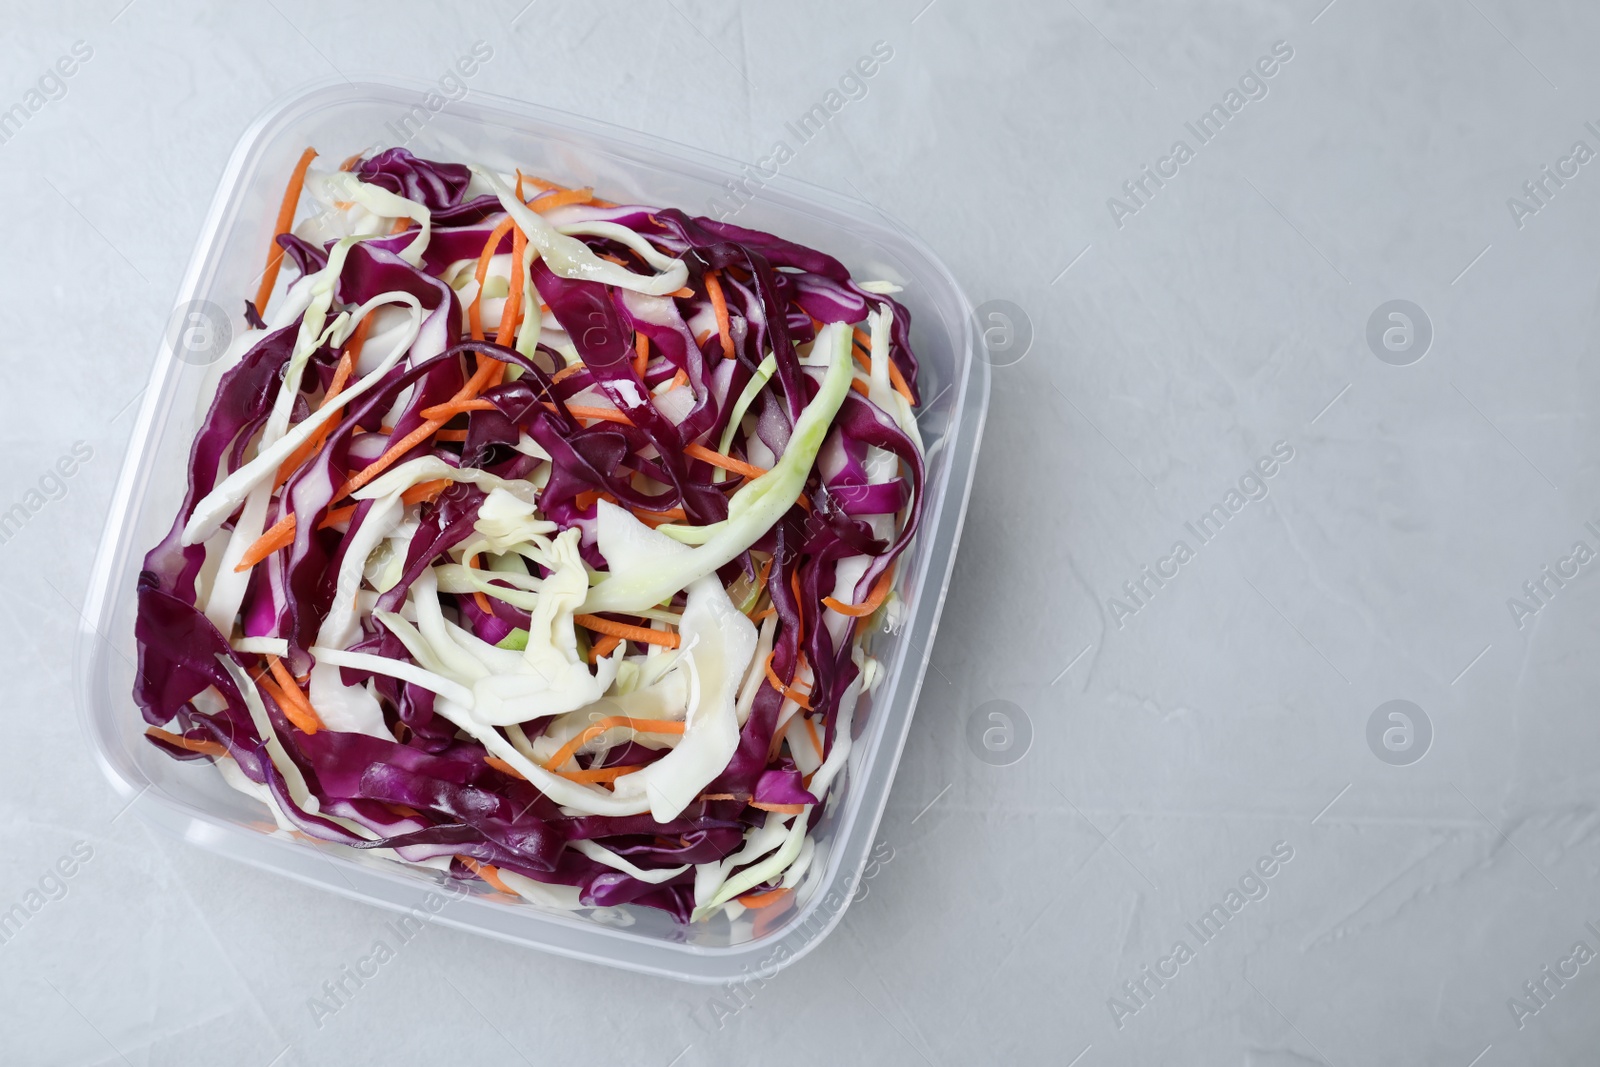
pixel 532 538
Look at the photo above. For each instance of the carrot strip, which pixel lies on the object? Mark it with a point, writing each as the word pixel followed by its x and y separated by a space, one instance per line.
pixel 540 183
pixel 512 314
pixel 392 453
pixel 551 200
pixel 190 744
pixel 642 634
pixel 302 714
pixel 291 200
pixel 604 647
pixel 596 774
pixel 896 379
pixel 350 164
pixel 641 348
pixel 719 307
pixel 763 900
pixel 880 589
pixel 579 411
pixel 566 372
pixel 600 774
pixel 781 809
pixel 653 519
pixel 281 533
pixel 451 408
pixel 474 320
pixel 763 613
pixel 503 767
pixel 643 726
pixel 478 596
pixel 777 683
pixel 425 491
pixel 341 378
pixel 585 500
pixel 487 873
pixel 727 463
pixel 336 516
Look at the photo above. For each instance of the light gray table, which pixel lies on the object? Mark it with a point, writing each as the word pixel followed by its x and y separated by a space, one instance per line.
pixel 1167 744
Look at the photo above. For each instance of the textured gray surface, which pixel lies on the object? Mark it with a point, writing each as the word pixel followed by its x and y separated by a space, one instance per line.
pixel 1169 753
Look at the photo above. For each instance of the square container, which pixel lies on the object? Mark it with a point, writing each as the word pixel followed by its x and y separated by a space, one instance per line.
pixel 339 117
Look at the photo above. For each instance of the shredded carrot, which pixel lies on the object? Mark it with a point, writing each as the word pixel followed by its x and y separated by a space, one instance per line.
pixel 763 613
pixel 350 164
pixel 189 744
pixel 643 726
pixel 642 634
pixel 392 453
pixel 880 589
pixel 540 183
pixel 450 435
pixel 762 900
pixel 502 766
pixel 298 710
pixel 451 408
pixel 680 378
pixel 566 372
pixel 511 316
pixel 597 774
pixel 604 647
pixel 284 702
pixel 781 809
pixel 291 200
pixel 716 796
pixel 579 411
pixel 478 596
pixel 341 378
pixel 896 379
pixel 400 225
pixel 682 294
pixel 641 358
pixel 600 774
pixel 777 683
pixel 700 338
pixel 554 199
pixel 585 500
pixel 727 463
pixel 282 532
pixel 899 382
pixel 653 519
pixel 859 386
pixel 490 247
pixel 719 307
pixel 425 491
pixel 487 873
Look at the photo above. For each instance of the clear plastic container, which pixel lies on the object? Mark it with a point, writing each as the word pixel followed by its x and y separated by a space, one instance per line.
pixel 190 799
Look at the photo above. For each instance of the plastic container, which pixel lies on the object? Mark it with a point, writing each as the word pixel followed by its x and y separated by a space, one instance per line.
pixel 190 799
